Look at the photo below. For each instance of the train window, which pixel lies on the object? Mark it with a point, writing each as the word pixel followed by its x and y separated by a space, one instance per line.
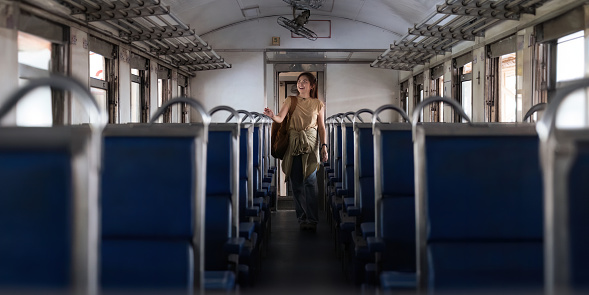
pixel 437 88
pixel 437 109
pixel 103 69
pixel 466 89
pixel 98 85
pixel 139 89
pixel 405 96
pixel 501 103
pixel 164 92
pixel 418 93
pixel 34 59
pixel 182 92
pixel 542 79
pixel 570 65
pixel 463 77
pixel 570 59
pixel 507 88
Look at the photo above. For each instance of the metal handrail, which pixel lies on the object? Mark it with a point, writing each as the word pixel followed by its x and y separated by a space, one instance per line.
pixel 247 115
pixel 432 99
pixel 357 115
pixel 61 82
pixel 546 125
pixel 535 108
pixel 375 116
pixel 347 116
pixel 206 119
pixel 225 108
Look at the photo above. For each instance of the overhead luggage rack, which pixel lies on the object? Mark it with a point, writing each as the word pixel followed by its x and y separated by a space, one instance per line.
pixel 151 26
pixel 453 22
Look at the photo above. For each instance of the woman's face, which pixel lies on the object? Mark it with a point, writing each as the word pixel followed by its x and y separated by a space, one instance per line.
pixel 304 85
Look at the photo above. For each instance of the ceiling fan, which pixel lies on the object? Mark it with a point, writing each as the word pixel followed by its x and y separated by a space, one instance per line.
pixel 297 24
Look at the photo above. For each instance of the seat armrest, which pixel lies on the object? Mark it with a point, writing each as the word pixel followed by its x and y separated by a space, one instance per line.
pixel 375 244
pixel 394 280
pixel 354 211
pixel 368 229
pixel 253 211
pixel 348 223
pixel 246 229
pixel 234 245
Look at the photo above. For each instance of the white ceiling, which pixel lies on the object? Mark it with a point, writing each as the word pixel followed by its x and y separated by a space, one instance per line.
pixel 395 16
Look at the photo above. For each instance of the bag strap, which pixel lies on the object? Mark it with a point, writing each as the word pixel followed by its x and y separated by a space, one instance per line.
pixel 293 106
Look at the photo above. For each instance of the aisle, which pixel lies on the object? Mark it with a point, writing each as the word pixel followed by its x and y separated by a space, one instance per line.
pixel 301 262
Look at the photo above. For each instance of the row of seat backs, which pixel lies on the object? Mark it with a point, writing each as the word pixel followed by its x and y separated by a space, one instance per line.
pixel 335 150
pixel 252 141
pixel 145 237
pixel 162 247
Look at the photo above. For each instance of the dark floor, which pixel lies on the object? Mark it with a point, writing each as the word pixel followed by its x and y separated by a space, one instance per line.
pixel 300 261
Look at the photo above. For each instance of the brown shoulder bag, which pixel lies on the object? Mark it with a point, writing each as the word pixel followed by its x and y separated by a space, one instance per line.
pixel 279 135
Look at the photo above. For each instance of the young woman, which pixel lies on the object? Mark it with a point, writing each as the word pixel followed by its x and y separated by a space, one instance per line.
pixel 307 145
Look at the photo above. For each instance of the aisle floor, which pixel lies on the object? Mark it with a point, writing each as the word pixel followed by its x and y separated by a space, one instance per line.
pixel 299 261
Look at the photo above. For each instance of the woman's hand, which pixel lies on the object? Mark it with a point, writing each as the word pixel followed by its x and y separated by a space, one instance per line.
pixel 268 112
pixel 324 155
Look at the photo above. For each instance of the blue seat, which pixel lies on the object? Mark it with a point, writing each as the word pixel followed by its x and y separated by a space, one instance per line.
pixel 36 207
pixel 49 223
pixel 363 207
pixel 565 165
pixel 395 237
pixel 484 209
pixel 147 210
pixel 223 245
pixel 578 203
pixel 251 218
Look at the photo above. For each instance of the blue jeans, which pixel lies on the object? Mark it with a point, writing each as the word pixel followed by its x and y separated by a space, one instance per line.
pixel 305 192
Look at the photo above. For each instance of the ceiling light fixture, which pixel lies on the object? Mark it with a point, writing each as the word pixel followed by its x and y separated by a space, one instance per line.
pixel 251 11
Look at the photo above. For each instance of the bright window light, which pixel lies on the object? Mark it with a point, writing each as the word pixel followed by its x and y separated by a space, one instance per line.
pixel 97 66
pixel 570 65
pixel 35 108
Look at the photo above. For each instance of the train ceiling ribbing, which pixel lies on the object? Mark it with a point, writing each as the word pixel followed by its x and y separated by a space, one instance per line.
pixel 454 21
pixel 149 24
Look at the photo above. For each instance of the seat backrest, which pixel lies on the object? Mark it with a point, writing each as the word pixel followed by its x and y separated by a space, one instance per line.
pixel 257 158
pixel 44 209
pixel 246 177
pixel 579 219
pixel 147 187
pixel 396 214
pixel 364 170
pixel 222 202
pixel 348 158
pixel 338 142
pixel 481 220
pixel 566 168
pixel 150 206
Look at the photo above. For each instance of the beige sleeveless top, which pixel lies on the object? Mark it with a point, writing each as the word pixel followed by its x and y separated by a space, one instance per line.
pixel 303 139
pixel 305 114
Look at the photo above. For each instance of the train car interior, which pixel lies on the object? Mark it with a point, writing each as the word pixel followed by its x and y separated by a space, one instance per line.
pixel 138 147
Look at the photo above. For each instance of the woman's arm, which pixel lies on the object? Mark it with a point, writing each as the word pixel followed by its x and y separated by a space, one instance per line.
pixel 322 134
pixel 281 115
